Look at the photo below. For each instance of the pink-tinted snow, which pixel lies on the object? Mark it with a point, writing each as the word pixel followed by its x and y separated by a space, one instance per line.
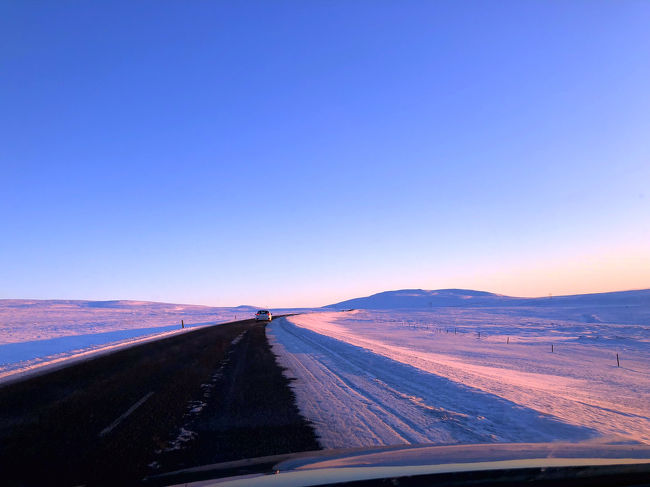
pixel 40 334
pixel 559 378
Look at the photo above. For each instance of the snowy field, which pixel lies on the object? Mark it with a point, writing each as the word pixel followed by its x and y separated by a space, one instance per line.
pixel 39 333
pixel 382 377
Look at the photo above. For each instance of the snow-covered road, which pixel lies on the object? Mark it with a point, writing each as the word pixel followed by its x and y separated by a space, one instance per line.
pixel 356 397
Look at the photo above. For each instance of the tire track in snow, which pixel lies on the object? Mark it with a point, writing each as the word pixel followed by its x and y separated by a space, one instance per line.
pixel 610 406
pixel 405 428
pixel 307 374
pixel 358 398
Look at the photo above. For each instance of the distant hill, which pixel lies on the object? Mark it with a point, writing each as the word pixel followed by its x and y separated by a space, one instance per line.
pixel 421 298
pixel 135 306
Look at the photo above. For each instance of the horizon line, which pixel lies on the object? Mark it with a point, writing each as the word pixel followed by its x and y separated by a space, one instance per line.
pixel 325 305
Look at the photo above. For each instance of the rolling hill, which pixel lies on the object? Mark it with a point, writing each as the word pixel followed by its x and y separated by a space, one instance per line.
pixel 421 298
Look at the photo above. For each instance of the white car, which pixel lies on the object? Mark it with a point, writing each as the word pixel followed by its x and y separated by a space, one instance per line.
pixel 263 315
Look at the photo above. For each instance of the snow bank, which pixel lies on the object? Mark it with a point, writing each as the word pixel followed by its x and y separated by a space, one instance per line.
pixel 525 378
pixel 41 333
pixel 30 320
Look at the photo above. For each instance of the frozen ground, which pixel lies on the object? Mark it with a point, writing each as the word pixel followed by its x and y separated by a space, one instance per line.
pixel 38 333
pixel 410 376
pixel 632 307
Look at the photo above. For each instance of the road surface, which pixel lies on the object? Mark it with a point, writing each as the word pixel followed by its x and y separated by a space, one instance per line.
pixel 206 396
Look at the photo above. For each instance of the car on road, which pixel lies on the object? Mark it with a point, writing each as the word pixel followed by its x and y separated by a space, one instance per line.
pixel 263 315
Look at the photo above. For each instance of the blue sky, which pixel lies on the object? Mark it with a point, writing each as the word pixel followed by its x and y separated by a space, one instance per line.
pixel 301 153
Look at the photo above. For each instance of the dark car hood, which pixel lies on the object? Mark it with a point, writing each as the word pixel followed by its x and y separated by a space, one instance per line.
pixel 348 465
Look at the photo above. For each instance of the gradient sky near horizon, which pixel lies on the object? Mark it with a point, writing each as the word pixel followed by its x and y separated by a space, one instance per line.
pixel 298 153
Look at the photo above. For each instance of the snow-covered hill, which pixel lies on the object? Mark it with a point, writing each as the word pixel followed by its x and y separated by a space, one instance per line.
pixel 421 298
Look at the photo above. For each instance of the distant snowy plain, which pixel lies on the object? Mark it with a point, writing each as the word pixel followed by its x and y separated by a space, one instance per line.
pixel 379 377
pixel 35 334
